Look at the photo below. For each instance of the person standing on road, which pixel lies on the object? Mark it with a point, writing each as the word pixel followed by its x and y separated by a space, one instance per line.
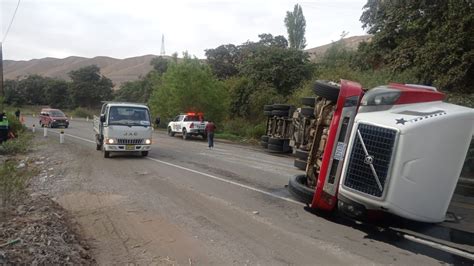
pixel 17 114
pixel 210 128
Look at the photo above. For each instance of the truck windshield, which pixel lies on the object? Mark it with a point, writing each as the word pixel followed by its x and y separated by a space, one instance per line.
pixel 129 116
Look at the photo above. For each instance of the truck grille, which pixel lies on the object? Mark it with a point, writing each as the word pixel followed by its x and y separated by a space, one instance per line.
pixel 379 144
pixel 130 141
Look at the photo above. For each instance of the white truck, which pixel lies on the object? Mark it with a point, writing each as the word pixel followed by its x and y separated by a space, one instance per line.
pixel 189 124
pixel 123 127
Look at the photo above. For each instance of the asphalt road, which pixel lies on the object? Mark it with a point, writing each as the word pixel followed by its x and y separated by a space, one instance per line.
pixel 229 205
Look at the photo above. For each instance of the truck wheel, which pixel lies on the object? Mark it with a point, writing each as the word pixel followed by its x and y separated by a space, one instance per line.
pixel 144 153
pixel 106 154
pixel 297 187
pixel 308 101
pixel 275 148
pixel 283 107
pixel 326 90
pixel 275 141
pixel 267 113
pixel 170 132
pixel 185 134
pixel 307 111
pixel 300 164
pixel 301 154
pixel 267 107
pixel 280 112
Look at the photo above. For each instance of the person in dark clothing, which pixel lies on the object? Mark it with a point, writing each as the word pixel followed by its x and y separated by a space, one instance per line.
pixel 157 121
pixel 17 114
pixel 210 128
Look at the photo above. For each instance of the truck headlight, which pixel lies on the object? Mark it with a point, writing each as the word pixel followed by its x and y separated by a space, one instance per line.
pixel 109 141
pixel 148 141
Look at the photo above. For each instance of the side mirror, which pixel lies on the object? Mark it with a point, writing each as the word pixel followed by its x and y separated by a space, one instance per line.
pixel 102 118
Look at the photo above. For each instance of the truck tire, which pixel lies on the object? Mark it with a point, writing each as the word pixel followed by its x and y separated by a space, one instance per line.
pixel 300 164
pixel 264 144
pixel 307 111
pixel 170 132
pixel 308 101
pixel 267 107
pixel 326 90
pixel 284 107
pixel 267 113
pixel 302 155
pixel 275 141
pixel 106 154
pixel 185 134
pixel 275 148
pixel 144 153
pixel 280 113
pixel 297 187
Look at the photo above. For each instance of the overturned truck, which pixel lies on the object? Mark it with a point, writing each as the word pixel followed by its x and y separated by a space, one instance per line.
pixel 397 148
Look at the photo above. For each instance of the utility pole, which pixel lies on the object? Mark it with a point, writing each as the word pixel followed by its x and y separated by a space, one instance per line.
pixel 2 93
pixel 1 71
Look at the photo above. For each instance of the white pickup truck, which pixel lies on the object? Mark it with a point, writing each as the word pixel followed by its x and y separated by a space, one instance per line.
pixel 189 124
pixel 123 127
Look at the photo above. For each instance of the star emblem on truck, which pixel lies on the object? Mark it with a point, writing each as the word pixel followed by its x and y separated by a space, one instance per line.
pixel 401 121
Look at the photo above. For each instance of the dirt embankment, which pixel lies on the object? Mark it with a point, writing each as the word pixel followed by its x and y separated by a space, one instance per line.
pixel 34 229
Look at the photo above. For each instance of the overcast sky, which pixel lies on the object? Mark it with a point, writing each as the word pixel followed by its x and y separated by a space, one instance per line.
pixel 120 29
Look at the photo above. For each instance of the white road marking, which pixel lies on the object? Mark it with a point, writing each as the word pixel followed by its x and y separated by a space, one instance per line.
pixel 205 174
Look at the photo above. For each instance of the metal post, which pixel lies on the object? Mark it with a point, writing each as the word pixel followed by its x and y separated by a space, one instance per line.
pixel 45 132
pixel 61 136
pixel 2 94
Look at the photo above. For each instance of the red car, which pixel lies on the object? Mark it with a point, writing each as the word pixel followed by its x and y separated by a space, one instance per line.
pixel 53 118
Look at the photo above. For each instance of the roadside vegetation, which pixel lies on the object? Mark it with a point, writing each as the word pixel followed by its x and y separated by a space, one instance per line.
pixel 417 42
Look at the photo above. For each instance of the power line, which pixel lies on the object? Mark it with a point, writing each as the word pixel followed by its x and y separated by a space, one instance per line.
pixel 11 22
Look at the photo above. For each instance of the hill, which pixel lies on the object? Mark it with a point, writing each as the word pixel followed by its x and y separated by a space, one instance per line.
pixel 119 70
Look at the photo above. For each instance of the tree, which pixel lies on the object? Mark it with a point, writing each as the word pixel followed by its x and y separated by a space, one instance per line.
pixel 137 90
pixel 189 86
pixel 296 27
pixel 283 69
pixel 223 60
pixel 89 87
pixel 160 64
pixel 57 93
pixel 432 39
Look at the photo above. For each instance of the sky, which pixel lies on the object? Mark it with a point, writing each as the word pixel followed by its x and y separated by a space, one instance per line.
pixel 121 29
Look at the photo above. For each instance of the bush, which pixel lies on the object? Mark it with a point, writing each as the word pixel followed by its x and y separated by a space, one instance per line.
pixel 83 112
pixel 240 127
pixel 21 144
pixel 15 125
pixel 12 181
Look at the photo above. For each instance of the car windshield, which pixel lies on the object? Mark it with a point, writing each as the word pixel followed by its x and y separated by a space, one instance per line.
pixel 129 116
pixel 57 113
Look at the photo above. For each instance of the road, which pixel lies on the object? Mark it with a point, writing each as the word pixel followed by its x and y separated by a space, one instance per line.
pixel 185 204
